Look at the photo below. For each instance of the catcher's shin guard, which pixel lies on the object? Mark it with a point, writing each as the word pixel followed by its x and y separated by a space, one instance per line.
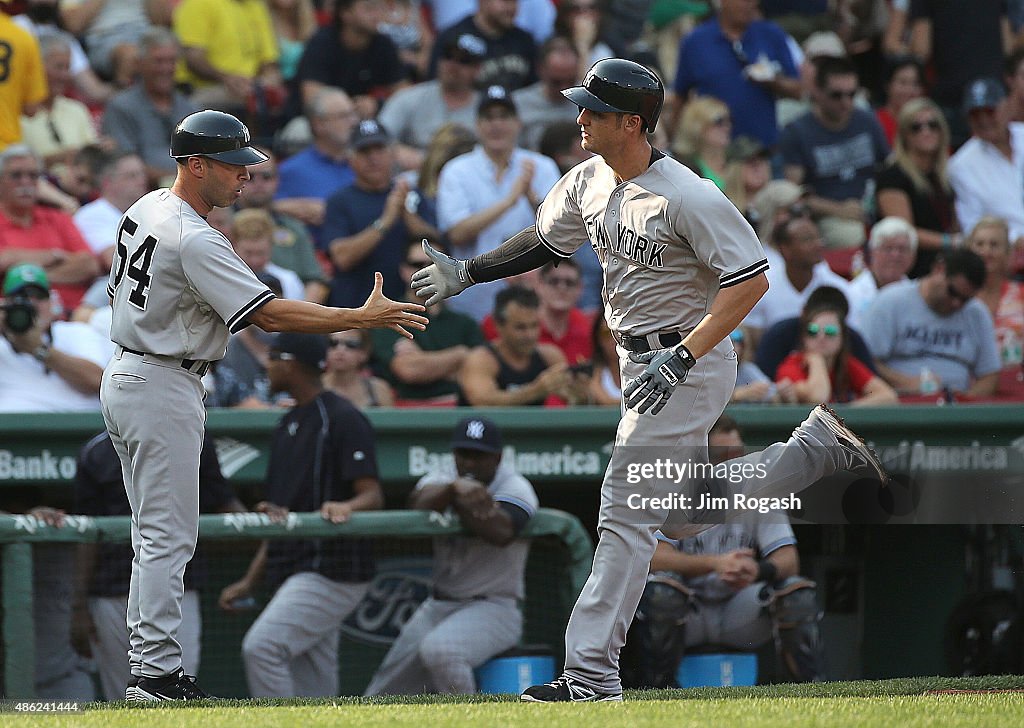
pixel 795 626
pixel 660 630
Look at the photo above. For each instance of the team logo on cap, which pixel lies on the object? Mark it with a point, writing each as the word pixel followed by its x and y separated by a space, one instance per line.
pixel 475 429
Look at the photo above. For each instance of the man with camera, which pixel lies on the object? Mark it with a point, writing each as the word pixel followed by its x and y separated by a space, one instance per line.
pixel 45 365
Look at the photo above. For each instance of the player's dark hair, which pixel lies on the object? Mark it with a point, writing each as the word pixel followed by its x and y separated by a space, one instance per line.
pixel 827 67
pixel 964 263
pixel 525 297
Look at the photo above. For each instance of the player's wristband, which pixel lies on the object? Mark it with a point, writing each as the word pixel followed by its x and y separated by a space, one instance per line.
pixel 688 359
pixel 767 571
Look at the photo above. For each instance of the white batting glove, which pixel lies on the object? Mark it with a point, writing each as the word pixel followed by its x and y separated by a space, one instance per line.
pixel 443 279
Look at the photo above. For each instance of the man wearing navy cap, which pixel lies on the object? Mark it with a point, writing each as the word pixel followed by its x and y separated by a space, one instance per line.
pixel 986 171
pixel 322 458
pixel 473 613
pixel 489 194
pixel 367 223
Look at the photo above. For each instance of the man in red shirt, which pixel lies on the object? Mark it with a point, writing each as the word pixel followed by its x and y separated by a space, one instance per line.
pixel 561 322
pixel 32 233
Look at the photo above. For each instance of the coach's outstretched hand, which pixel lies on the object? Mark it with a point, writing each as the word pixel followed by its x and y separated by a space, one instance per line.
pixel 380 312
pixel 665 369
pixel 443 279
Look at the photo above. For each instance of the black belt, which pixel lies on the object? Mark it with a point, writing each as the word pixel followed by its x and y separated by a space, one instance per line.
pixel 188 364
pixel 640 344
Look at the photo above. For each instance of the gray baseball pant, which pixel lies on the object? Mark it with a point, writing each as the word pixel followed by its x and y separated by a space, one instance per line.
pixel 60 673
pixel 111 642
pixel 605 608
pixel 155 416
pixel 292 647
pixel 443 642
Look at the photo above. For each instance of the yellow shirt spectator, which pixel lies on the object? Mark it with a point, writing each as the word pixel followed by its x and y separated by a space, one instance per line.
pixel 22 79
pixel 237 35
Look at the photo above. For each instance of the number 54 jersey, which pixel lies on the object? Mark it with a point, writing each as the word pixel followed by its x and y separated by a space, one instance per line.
pixel 177 286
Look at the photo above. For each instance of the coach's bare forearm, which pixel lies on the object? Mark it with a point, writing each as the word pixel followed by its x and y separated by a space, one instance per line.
pixel 731 306
pixel 282 314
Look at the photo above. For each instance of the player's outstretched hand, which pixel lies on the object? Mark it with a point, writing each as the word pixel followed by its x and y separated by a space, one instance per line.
pixel 380 312
pixel 444 278
pixel 665 369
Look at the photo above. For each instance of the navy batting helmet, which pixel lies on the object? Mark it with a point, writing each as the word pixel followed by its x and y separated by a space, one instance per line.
pixel 616 85
pixel 216 135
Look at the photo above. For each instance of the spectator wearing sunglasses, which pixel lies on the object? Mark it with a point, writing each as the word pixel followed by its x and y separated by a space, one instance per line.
pixel 824 370
pixel 345 372
pixel 835 150
pixel 915 185
pixel 424 371
pixel 936 325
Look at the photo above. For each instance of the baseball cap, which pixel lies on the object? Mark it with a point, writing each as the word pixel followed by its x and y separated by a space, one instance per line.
pixel 25 275
pixel 310 349
pixel 476 433
pixel 496 96
pixel 465 48
pixel 743 148
pixel 983 93
pixel 369 133
pixel 824 43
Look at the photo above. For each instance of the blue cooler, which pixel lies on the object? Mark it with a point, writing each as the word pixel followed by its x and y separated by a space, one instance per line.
pixel 718 670
pixel 515 670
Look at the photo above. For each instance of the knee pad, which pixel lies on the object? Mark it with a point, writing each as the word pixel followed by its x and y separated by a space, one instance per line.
pixel 795 625
pixel 659 629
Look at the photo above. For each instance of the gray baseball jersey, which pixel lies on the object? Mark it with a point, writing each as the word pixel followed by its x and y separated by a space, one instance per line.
pixel 470 567
pixel 762 534
pixel 667 240
pixel 178 288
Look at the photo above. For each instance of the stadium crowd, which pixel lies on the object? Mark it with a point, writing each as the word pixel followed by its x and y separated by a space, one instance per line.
pixel 394 120
pixel 875 146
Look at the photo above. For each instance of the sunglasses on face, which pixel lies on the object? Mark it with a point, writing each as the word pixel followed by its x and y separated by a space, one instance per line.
pixel 838 95
pixel 830 330
pixel 918 126
pixel 280 356
pixel 350 344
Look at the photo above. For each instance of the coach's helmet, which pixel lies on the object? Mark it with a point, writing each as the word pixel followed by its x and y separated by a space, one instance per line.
pixel 619 86
pixel 216 135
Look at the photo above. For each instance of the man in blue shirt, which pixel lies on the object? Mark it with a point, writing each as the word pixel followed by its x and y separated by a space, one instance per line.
pixel 743 61
pixel 367 223
pixel 308 178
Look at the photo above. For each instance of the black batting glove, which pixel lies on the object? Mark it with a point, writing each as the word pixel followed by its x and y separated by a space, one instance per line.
pixel 666 368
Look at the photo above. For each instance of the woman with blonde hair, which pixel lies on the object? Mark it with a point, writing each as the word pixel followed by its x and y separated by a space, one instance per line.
pixel 914 184
pixel 294 23
pixel 703 137
pixel 1004 297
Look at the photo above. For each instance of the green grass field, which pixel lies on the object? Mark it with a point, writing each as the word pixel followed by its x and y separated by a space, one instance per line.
pixel 904 703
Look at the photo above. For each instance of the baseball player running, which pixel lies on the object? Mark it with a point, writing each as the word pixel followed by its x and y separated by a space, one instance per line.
pixel 681 270
pixel 177 291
